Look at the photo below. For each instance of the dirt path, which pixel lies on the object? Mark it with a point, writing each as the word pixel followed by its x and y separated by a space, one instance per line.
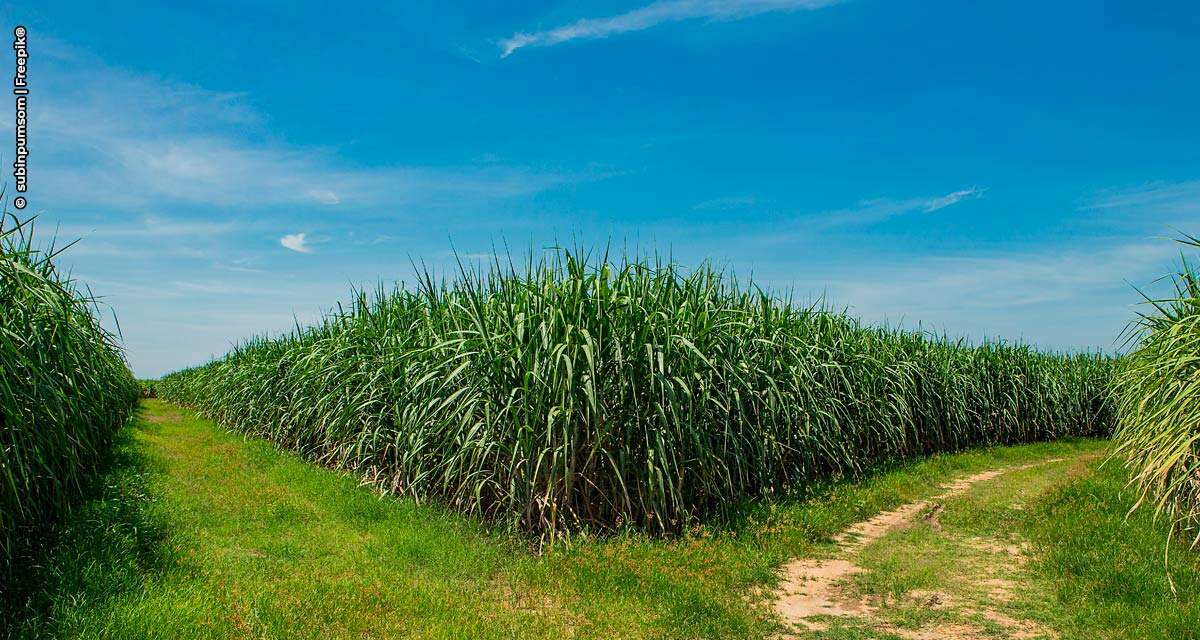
pixel 812 591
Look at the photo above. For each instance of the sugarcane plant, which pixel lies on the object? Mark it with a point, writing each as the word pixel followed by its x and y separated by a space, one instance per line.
pixel 1158 400
pixel 579 390
pixel 64 386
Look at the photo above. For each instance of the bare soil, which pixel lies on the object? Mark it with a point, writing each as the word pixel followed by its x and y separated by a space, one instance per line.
pixel 811 589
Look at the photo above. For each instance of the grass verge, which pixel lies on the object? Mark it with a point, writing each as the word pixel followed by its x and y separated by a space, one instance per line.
pixel 230 538
pixel 1107 574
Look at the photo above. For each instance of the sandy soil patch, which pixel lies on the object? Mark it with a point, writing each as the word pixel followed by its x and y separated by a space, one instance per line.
pixel 809 588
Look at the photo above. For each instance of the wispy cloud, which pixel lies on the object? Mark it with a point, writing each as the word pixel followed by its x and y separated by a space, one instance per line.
pixel 880 209
pixel 120 139
pixel 1003 280
pixel 149 226
pixel 120 149
pixel 131 251
pixel 942 202
pixel 651 15
pixel 324 196
pixel 296 242
pixel 1160 198
pixel 1082 296
pixel 727 203
pixel 220 288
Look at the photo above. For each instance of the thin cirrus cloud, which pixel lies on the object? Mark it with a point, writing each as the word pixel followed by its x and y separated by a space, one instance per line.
pixel 651 15
pixel 296 242
pixel 1083 291
pixel 1163 198
pixel 324 196
pixel 149 226
pixel 941 202
pixel 880 209
pixel 169 143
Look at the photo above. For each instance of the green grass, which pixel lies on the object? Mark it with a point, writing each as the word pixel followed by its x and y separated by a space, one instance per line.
pixel 195 532
pixel 64 389
pixel 589 393
pixel 1106 571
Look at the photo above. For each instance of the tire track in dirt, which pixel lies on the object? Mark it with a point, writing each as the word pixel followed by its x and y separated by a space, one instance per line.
pixel 808 587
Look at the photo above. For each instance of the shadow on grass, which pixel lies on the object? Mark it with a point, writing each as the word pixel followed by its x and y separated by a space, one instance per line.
pixel 108 545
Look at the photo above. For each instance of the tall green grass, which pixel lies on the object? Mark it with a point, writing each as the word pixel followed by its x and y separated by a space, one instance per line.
pixel 64 388
pixel 1158 400
pixel 579 391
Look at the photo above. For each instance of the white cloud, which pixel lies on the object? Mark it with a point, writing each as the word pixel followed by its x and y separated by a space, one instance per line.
pixel 1072 289
pixel 124 140
pixel 119 149
pixel 727 203
pixel 879 209
pixel 1078 297
pixel 324 196
pixel 129 251
pixel 221 288
pixel 652 15
pixel 1161 198
pixel 149 226
pixel 942 202
pixel 149 237
pixel 1004 279
pixel 295 242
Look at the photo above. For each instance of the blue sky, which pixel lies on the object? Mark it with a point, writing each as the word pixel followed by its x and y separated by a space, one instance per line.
pixel 998 169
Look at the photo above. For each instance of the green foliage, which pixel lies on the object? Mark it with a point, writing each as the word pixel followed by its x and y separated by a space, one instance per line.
pixel 580 392
pixel 1113 574
pixel 1158 401
pixel 111 545
pixel 64 387
pixel 147 388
